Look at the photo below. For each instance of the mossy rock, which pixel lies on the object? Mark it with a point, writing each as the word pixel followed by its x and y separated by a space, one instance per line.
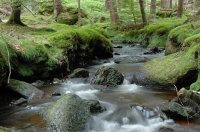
pixel 179 68
pixel 70 113
pixel 78 73
pixel 69 16
pixel 81 45
pixel 46 8
pixel 25 89
pixel 106 76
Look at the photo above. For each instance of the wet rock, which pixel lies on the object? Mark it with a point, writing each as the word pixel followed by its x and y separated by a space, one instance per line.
pixel 186 105
pixel 166 129
pixel 141 78
pixel 68 114
pixel 116 54
pixel 25 89
pixel 56 81
pixel 38 83
pixel 4 129
pixel 95 106
pixel 19 102
pixel 78 73
pixel 107 76
pixel 56 94
pixel 153 50
pixel 130 59
pixel 118 47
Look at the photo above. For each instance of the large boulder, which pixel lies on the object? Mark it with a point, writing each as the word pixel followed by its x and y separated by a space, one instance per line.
pixel 25 89
pixel 79 72
pixel 130 59
pixel 185 106
pixel 179 68
pixel 107 76
pixel 70 113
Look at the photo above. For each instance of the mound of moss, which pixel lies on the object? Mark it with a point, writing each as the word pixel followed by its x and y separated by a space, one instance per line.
pixel 81 45
pixel 153 34
pixel 179 36
pixel 175 68
pixel 69 16
pixel 46 53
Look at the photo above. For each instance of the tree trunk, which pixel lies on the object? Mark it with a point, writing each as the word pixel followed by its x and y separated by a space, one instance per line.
pixel 113 11
pixel 165 4
pixel 133 10
pixel 79 12
pixel 171 4
pixel 144 19
pixel 16 13
pixel 197 3
pixel 153 8
pixel 57 8
pixel 180 8
pixel 107 4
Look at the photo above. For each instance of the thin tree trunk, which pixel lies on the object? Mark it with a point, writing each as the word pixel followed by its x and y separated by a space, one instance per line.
pixel 57 8
pixel 165 4
pixel 153 8
pixel 79 12
pixel 180 8
pixel 197 3
pixel 171 4
pixel 113 11
pixel 16 13
pixel 133 10
pixel 144 19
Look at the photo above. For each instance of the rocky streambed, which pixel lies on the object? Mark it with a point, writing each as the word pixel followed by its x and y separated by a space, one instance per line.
pixel 123 100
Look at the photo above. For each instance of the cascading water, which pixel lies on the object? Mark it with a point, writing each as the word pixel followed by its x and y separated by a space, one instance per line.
pixel 129 107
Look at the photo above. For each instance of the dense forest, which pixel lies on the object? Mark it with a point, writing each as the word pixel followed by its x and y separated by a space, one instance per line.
pixel 99 65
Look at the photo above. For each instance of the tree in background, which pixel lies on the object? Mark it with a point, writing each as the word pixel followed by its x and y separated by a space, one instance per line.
pixel 165 4
pixel 57 8
pixel 153 9
pixel 79 11
pixel 16 12
pixel 142 10
pixel 180 8
pixel 112 6
pixel 133 10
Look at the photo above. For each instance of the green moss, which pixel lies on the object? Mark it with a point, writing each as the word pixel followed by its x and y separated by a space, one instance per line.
pixel 196 86
pixel 184 31
pixel 168 69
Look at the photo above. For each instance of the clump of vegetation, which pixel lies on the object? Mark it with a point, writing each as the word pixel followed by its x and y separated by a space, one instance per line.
pixel 153 34
pixel 81 43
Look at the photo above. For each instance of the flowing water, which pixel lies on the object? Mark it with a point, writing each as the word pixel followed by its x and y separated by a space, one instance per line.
pixel 130 108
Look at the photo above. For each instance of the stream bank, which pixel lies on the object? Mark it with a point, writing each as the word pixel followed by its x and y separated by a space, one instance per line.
pixel 129 107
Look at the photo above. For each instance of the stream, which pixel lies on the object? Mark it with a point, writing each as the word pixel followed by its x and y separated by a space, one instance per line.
pixel 124 104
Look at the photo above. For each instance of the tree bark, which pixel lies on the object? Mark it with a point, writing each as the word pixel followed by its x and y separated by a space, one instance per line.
pixel 144 19
pixel 79 12
pixel 16 13
pixel 57 8
pixel 165 4
pixel 197 3
pixel 153 8
pixel 113 11
pixel 171 4
pixel 180 8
